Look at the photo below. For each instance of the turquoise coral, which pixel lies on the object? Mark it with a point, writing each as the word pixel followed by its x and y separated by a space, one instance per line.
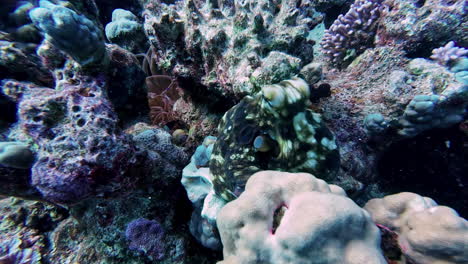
pixel 16 155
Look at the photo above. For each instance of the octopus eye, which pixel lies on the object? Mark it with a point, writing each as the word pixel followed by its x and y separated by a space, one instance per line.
pixel 262 143
pixel 247 134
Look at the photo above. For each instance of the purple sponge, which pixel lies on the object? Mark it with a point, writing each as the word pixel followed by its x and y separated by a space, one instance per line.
pixel 146 237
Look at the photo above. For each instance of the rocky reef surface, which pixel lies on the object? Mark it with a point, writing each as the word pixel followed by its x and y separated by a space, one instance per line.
pixel 233 131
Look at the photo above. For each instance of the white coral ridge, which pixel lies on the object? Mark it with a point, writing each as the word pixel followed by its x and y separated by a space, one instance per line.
pixel 319 225
pixel 427 233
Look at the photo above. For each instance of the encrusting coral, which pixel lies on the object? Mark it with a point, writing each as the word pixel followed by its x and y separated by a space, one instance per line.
pixel 146 236
pixel 79 146
pixel 231 47
pixel 296 218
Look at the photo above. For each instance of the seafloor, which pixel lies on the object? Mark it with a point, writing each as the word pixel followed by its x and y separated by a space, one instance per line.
pixel 234 132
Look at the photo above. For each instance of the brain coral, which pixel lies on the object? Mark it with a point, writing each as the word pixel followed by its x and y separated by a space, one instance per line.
pixel 319 223
pixel 232 46
pixel 271 130
pixel 427 233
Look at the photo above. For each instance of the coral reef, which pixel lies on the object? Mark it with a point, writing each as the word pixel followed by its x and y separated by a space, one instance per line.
pixel 427 233
pixel 23 225
pixel 232 48
pixel 271 130
pixel 317 223
pixel 216 143
pixel 18 61
pixel 165 159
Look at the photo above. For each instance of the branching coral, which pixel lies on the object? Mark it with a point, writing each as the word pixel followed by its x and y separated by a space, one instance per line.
pixel 448 54
pixel 353 32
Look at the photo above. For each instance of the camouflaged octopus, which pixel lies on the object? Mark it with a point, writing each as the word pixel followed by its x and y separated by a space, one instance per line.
pixel 271 130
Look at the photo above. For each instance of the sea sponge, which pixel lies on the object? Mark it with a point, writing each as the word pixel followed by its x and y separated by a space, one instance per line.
pixel 146 236
pixel 296 218
pixel 427 233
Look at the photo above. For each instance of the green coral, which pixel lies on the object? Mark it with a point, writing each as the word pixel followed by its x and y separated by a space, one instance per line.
pixel 271 130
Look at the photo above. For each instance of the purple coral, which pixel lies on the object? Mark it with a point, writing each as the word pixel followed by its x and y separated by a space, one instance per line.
pixel 146 236
pixel 81 150
pixel 352 31
pixel 448 54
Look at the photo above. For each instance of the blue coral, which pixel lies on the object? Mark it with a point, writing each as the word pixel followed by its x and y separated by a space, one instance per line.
pixel 146 236
pixel 375 124
pixel 75 34
pixel 125 30
pixel 433 111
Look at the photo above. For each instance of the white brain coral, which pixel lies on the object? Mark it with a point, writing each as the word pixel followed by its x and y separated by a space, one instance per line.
pixel 427 233
pixel 319 223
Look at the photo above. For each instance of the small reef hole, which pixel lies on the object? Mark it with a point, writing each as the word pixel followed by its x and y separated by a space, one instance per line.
pixel 277 217
pixel 76 108
pixel 420 3
pixel 81 122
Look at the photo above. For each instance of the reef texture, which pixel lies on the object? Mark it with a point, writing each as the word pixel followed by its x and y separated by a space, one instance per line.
pixel 296 218
pixel 381 98
pixel 427 232
pixel 80 150
pixel 271 130
pixel 420 26
pixel 231 47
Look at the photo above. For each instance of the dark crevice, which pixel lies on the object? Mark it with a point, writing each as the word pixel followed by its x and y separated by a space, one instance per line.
pixel 433 164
